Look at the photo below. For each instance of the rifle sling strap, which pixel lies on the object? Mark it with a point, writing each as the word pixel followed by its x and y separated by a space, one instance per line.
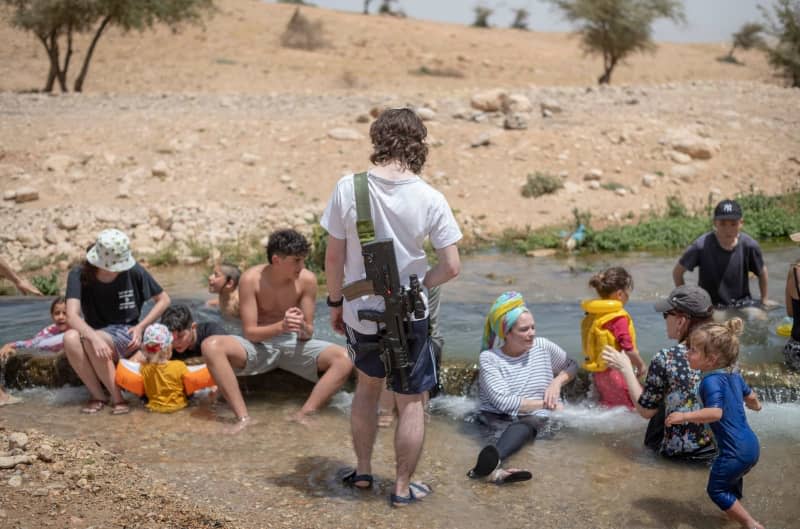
pixel 364 225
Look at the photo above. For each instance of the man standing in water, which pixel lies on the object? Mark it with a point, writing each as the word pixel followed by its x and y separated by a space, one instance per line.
pixel 407 210
pixel 725 256
pixel 276 304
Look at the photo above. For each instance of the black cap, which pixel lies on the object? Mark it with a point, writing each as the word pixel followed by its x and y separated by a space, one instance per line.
pixel 728 210
pixel 688 299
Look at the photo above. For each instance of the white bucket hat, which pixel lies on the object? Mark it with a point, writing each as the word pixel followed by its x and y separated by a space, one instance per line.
pixel 111 252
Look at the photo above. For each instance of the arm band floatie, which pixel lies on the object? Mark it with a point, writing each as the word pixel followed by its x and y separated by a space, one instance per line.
pixel 198 377
pixel 129 377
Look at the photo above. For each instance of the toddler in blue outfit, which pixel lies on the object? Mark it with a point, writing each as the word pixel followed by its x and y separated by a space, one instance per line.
pixel 713 349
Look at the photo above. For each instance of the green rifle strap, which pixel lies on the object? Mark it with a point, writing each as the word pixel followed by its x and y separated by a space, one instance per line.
pixel 364 225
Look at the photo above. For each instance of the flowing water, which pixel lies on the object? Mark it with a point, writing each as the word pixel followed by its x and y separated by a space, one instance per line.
pixel 591 471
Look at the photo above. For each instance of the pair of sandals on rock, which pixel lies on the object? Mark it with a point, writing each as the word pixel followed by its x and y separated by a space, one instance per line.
pixel 488 466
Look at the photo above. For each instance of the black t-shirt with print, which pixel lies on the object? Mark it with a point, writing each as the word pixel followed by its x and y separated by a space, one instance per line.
pixel 204 330
pixel 118 302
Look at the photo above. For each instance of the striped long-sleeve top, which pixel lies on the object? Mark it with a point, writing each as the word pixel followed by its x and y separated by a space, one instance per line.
pixel 48 339
pixel 505 380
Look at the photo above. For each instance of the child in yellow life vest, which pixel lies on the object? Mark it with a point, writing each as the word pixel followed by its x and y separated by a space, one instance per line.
pixel 608 323
pixel 162 377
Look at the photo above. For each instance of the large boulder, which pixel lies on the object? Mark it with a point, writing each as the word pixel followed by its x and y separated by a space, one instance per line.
pixel 691 143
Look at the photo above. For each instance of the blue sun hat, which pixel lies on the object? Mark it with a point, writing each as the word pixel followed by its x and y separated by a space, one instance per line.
pixel 111 252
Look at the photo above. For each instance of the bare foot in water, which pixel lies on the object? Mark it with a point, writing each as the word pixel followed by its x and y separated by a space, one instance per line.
pixel 306 419
pixel 237 424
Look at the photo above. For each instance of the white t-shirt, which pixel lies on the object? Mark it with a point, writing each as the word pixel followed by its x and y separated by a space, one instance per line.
pixel 406 211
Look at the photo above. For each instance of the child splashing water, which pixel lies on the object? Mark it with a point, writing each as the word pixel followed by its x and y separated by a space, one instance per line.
pixel 162 377
pixel 608 323
pixel 714 349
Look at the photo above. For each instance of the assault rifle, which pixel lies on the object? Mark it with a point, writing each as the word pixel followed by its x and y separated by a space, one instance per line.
pixel 383 280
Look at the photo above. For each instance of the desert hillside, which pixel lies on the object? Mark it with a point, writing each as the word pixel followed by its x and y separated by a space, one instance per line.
pixel 217 133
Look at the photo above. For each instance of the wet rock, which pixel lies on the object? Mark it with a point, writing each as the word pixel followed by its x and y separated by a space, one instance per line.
pixel 344 134
pixel 489 101
pixel 26 370
pixel 26 194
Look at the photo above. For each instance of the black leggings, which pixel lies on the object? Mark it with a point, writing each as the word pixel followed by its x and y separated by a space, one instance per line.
pixel 515 433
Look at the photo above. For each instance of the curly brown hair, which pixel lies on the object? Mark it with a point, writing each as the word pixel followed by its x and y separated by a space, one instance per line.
pixel 398 135
pixel 613 279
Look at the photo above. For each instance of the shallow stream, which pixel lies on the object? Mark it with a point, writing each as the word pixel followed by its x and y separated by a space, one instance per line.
pixel 591 472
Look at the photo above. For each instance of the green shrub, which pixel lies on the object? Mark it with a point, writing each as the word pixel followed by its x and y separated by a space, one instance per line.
pixel 47 285
pixel 539 184
pixel 163 257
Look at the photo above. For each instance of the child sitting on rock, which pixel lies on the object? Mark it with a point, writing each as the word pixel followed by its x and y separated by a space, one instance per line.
pixel 224 281
pixel 51 338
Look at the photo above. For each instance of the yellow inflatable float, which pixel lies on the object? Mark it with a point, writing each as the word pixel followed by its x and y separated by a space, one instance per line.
pixel 129 378
pixel 784 328
pixel 594 337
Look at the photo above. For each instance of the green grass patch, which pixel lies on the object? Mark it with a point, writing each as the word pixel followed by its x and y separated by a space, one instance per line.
pixel 163 257
pixel 767 218
pixel 539 184
pixel 612 186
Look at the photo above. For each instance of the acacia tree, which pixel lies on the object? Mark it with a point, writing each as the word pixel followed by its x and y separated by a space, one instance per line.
pixel 616 29
pixel 520 19
pixel 56 22
pixel 747 38
pixel 482 14
pixel 783 24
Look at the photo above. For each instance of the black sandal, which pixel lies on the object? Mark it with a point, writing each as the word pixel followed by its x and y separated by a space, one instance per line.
pixel 352 478
pixel 488 461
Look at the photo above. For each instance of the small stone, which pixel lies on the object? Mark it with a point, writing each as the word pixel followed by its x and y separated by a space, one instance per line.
pixel 159 170
pixel 551 105
pixel 621 191
pixel 285 178
pixel 518 103
pixel 594 184
pixel 489 101
pixel 679 157
pixel 15 481
pixel 82 483
pixel 11 194
pixel 515 121
pixel 363 118
pixel 649 180
pixel 686 173
pixel 67 222
pixel 593 174
pixel 426 114
pixel 17 440
pixel 484 140
pixel 250 159
pixel 542 252
pixel 26 194
pixel 343 134
pixel 45 453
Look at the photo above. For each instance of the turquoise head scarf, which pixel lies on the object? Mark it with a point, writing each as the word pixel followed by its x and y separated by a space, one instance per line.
pixel 502 316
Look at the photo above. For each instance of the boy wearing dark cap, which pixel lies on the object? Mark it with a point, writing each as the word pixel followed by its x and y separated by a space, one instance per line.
pixel 725 256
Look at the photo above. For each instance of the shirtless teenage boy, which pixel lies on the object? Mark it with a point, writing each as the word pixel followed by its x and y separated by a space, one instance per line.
pixel 276 305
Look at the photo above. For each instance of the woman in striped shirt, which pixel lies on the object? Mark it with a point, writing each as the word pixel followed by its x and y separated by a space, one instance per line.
pixel 520 383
